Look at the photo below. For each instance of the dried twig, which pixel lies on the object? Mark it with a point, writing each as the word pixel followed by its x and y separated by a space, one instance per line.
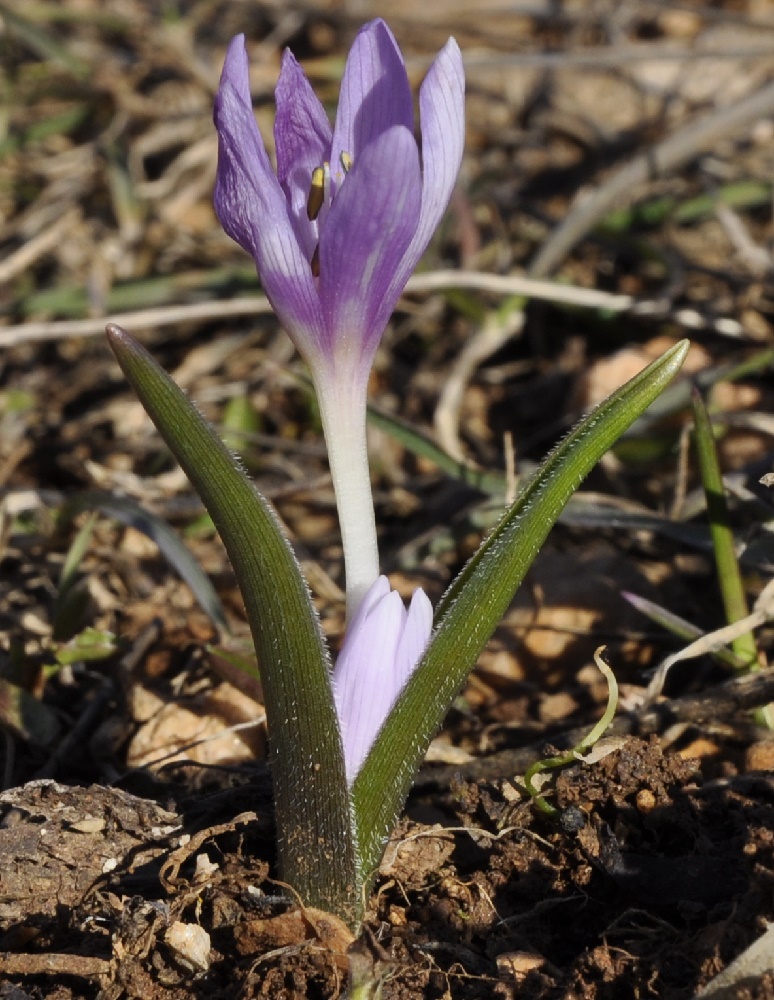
pixel 761 613
pixel 673 152
pixel 45 241
pixel 488 339
pixel 255 305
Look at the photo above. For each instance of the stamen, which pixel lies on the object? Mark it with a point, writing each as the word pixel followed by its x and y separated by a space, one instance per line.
pixel 346 162
pixel 316 262
pixel 316 194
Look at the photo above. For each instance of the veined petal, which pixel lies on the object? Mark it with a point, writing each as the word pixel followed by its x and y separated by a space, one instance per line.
pixel 415 637
pixel 302 136
pixel 252 209
pixel 375 93
pixel 371 223
pixel 364 682
pixel 382 647
pixel 442 121
pixel 236 69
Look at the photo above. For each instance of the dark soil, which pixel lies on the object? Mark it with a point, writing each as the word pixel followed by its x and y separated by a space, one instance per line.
pixel 651 880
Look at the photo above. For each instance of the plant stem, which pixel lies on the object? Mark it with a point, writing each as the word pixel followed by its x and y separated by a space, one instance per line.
pixel 343 410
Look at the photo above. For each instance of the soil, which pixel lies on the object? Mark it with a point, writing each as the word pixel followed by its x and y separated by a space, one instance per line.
pixel 136 824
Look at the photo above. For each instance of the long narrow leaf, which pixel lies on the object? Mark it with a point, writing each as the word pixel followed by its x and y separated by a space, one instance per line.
pixel 726 562
pixel 476 601
pixel 729 574
pixel 317 850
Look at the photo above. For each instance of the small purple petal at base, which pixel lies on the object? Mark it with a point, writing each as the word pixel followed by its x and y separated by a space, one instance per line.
pixel 383 644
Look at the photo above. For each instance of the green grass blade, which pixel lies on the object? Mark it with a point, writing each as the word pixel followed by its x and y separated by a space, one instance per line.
pixel 316 845
pixel 729 575
pixel 726 562
pixel 476 601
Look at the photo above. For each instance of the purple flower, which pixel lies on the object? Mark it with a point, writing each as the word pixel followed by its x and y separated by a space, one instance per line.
pixel 337 231
pixel 373 208
pixel 382 646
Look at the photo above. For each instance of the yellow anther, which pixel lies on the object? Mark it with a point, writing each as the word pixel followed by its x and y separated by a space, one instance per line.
pixel 346 162
pixel 316 193
pixel 316 262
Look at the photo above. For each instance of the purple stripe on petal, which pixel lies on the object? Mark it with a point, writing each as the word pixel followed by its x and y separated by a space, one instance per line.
pixel 375 93
pixel 302 136
pixel 371 222
pixel 442 121
pixel 252 209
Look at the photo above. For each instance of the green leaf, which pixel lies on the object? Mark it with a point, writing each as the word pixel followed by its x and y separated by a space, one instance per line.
pixel 42 43
pixel 240 420
pixel 89 646
pixel 726 562
pixel 476 601
pixel 245 664
pixel 316 843
pixel 420 444
pixel 72 595
pixel 729 575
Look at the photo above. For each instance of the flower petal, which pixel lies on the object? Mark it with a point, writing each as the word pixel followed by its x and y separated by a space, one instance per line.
pixel 415 637
pixel 236 69
pixel 375 93
pixel 442 120
pixel 252 209
pixel 371 222
pixel 364 682
pixel 302 136
pixel 382 647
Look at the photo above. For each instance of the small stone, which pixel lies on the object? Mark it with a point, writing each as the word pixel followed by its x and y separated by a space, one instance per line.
pixel 89 824
pixel 204 868
pixel 516 964
pixel 760 756
pixel 572 819
pixel 190 945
